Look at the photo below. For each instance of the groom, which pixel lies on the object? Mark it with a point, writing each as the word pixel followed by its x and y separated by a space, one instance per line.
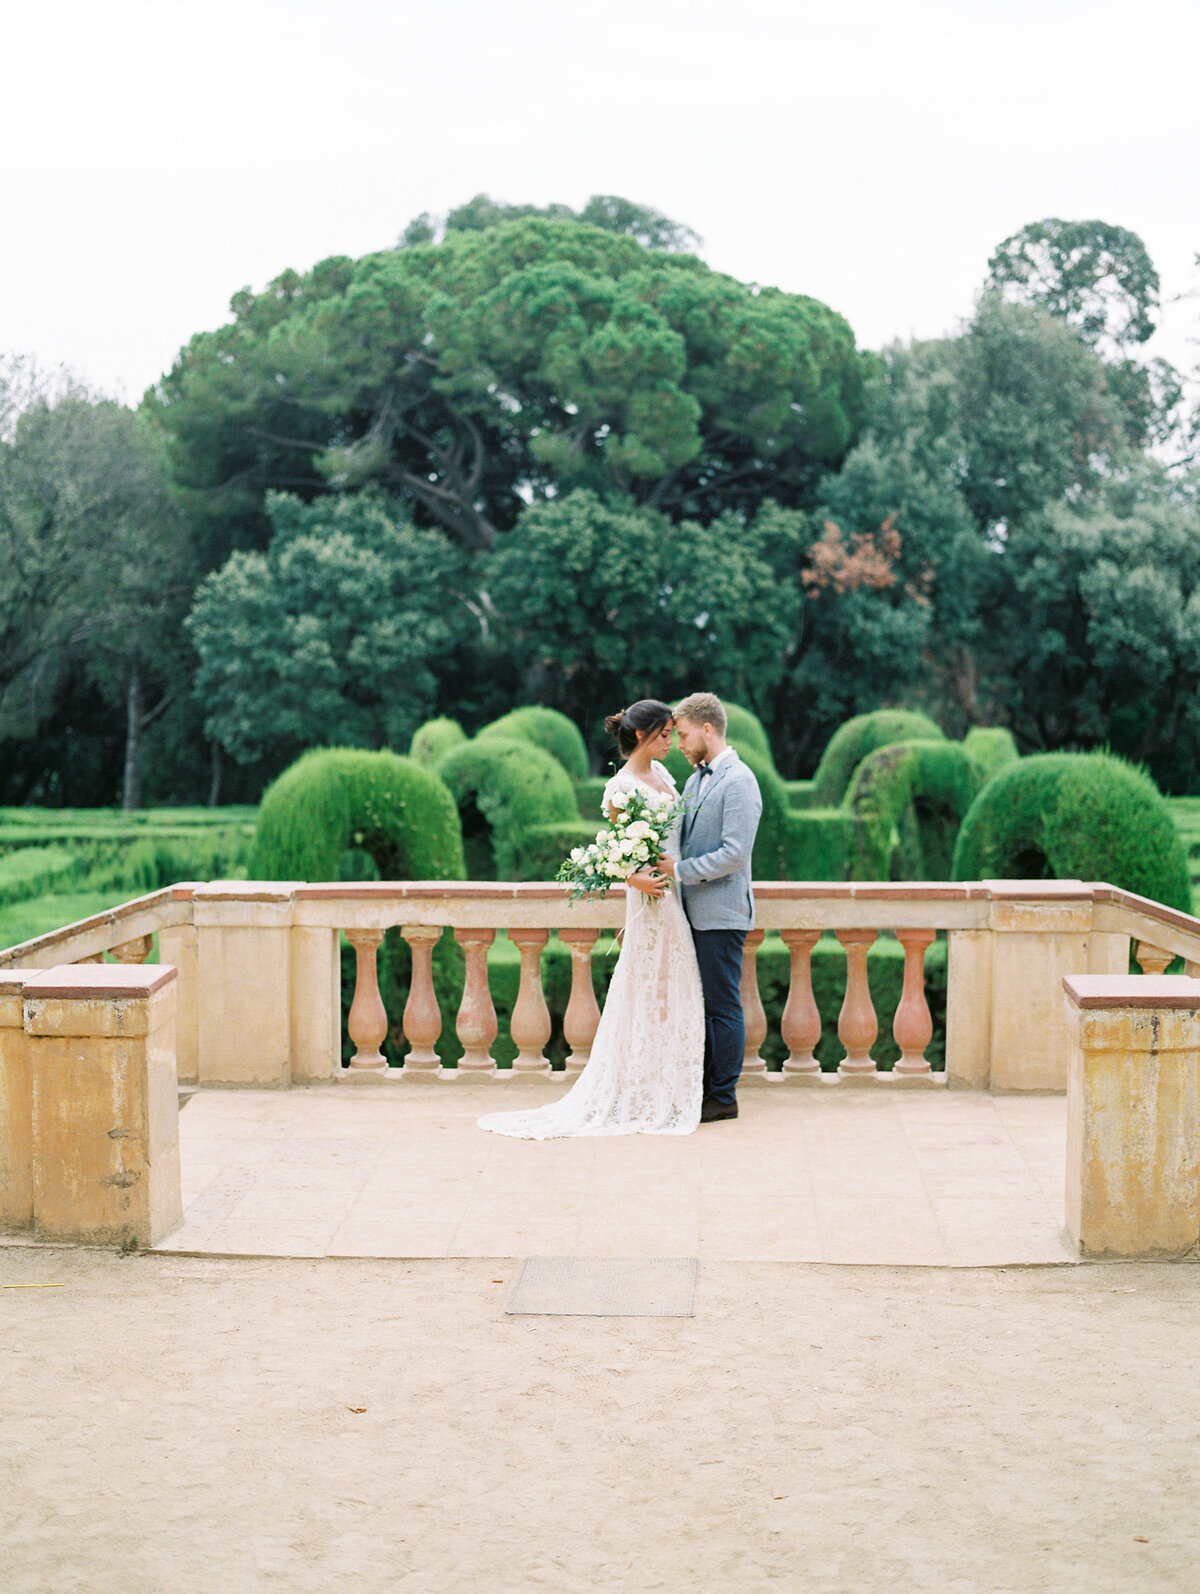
pixel 722 809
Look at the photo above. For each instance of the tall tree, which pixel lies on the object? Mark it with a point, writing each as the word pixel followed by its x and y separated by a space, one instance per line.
pixel 95 566
pixel 1099 279
pixel 608 211
pixel 508 364
pixel 336 634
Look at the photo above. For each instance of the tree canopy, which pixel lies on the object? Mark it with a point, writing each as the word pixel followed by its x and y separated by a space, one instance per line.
pixel 504 365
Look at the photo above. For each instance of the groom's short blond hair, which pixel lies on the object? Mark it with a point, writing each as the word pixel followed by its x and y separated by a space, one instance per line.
pixel 703 708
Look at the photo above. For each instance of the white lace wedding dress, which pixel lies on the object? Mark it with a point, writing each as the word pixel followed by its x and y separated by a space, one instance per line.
pixel 646 1070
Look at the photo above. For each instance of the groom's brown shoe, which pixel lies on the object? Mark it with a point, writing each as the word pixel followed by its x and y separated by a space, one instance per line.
pixel 711 1112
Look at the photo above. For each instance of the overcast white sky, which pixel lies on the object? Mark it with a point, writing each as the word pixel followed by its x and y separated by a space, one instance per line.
pixel 162 154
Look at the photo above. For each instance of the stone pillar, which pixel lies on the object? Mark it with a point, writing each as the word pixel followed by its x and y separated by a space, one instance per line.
pixel 582 1018
pixel 969 1008
pixel 530 1024
pixel 315 982
pixel 752 1008
pixel 1035 945
pixel 422 1015
pixel 367 1020
pixel 476 1024
pixel 105 1104
pixel 912 1027
pixel 1133 1114
pixel 177 946
pixel 801 1026
pixel 857 1023
pixel 16 1105
pixel 244 983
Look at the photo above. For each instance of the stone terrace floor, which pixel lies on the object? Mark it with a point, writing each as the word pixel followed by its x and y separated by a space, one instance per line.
pixel 862 1175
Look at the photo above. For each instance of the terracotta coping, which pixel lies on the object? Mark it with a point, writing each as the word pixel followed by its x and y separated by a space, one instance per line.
pixel 1132 990
pixel 83 981
pixel 96 921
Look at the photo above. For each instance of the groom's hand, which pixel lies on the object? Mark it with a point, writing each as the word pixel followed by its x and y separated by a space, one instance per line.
pixel 665 864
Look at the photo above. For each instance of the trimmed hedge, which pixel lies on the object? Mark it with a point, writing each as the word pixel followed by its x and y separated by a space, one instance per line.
pixel 851 743
pixel 1080 816
pixel 747 730
pixel 992 746
pixel 503 789
pixel 819 844
pixel 588 795
pixel 771 844
pixel 434 739
pixel 541 849
pixel 546 728
pixel 800 795
pixel 908 801
pixel 335 799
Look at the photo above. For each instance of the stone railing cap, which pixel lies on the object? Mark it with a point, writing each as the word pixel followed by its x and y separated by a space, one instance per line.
pixel 12 981
pixel 1132 990
pixel 84 981
pixel 245 891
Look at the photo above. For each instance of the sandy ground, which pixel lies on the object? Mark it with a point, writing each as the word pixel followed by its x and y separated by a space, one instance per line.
pixel 186 1425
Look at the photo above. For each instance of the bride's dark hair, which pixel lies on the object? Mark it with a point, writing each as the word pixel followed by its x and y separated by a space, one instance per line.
pixel 648 714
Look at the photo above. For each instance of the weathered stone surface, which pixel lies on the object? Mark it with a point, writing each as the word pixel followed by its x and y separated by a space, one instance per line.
pixel 1133 1115
pixel 16 1113
pixel 104 1103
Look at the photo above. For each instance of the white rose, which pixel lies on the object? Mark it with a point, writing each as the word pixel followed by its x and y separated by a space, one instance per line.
pixel 642 852
pixel 619 799
pixel 576 854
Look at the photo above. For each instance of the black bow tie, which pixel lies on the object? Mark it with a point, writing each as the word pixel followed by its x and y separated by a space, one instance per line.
pixel 703 769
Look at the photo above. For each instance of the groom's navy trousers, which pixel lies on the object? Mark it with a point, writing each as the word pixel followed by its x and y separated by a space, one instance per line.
pixel 719 954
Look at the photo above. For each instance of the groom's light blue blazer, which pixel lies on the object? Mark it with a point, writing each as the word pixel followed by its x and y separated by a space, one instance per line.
pixel 716 841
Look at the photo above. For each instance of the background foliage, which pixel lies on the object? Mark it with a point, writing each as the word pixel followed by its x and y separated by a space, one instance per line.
pixel 547 458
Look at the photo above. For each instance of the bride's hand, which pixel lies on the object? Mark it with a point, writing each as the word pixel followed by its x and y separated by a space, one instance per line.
pixel 648 881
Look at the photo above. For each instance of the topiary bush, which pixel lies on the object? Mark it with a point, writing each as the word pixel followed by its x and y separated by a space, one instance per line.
pixel 540 849
pixel 908 801
pixel 851 743
pixel 503 789
pixel 546 728
pixel 770 860
pixel 336 799
pixel 747 730
pixel 434 739
pixel 1078 816
pixel 799 795
pixel 819 843
pixel 992 746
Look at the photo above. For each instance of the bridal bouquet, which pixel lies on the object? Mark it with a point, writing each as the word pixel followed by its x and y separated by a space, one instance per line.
pixel 626 844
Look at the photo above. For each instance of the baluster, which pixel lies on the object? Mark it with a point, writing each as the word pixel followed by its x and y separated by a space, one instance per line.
pixel 752 1008
pixel 135 951
pixel 531 1016
pixel 912 1027
pixel 857 1024
pixel 476 1024
pixel 422 1015
pixel 368 1017
pixel 801 1019
pixel 1152 959
pixel 583 1011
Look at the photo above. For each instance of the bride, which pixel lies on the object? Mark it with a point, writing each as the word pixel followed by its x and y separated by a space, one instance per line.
pixel 645 1073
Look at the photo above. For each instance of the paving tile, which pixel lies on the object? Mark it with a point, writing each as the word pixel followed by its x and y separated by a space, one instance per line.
pixel 949 1179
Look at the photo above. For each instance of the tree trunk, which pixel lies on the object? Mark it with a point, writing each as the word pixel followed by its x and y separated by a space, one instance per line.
pixel 214 785
pixel 132 792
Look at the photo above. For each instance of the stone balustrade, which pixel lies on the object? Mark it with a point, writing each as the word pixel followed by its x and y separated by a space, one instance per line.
pixel 257 1001
pixel 259 991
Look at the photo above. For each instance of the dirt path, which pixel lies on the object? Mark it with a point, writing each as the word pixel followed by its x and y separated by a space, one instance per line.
pixel 176 1425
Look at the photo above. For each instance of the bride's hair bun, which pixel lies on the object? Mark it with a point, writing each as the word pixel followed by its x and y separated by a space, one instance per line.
pixel 648 714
